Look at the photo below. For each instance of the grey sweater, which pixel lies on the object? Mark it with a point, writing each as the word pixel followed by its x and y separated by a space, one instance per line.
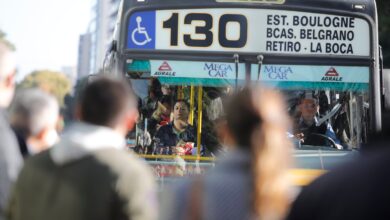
pixel 10 161
pixel 226 192
pixel 86 176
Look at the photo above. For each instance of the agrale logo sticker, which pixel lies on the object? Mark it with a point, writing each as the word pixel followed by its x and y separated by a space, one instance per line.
pixel 165 70
pixel 332 75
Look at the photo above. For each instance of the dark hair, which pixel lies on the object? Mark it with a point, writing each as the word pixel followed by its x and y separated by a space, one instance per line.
pixel 167 99
pixel 155 88
pixel 242 118
pixel 104 100
pixel 257 121
pixel 308 95
pixel 182 101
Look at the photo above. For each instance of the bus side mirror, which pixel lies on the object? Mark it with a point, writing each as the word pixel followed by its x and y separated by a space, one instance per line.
pixel 112 47
pixel 109 58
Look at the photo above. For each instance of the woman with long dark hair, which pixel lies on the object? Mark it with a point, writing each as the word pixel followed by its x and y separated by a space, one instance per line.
pixel 251 181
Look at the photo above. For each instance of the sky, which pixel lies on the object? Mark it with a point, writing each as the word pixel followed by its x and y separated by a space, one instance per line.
pixel 44 32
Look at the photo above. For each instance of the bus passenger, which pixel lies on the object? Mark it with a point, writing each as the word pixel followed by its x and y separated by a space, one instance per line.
pixel 149 103
pixel 306 125
pixel 251 180
pixel 166 90
pixel 178 133
pixel 162 115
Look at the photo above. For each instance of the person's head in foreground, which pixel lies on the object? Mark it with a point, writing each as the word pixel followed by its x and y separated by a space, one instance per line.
pixel 7 74
pixel 34 116
pixel 257 122
pixel 110 103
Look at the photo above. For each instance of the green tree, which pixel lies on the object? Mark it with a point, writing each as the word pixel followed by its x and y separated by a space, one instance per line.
pixel 4 39
pixel 52 82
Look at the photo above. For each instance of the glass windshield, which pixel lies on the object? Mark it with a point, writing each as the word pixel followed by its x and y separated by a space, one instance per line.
pixel 328 104
pixel 328 117
pixel 182 104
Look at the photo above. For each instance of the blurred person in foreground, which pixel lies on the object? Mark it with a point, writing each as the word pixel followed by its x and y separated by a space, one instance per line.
pixel 357 190
pixel 34 117
pixel 251 181
pixel 10 158
pixel 88 175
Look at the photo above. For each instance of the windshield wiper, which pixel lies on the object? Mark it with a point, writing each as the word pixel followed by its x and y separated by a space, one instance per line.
pixel 260 59
pixel 334 110
pixel 236 61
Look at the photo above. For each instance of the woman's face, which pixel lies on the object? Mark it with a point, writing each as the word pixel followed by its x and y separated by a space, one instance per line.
pixel 166 90
pixel 180 111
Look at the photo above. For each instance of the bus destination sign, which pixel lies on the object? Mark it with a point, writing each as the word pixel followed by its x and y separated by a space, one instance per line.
pixel 250 31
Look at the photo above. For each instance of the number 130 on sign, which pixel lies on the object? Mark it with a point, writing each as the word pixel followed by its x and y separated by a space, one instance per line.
pixel 197 30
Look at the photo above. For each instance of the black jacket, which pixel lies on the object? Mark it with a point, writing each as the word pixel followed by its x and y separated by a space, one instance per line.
pixel 167 137
pixel 359 190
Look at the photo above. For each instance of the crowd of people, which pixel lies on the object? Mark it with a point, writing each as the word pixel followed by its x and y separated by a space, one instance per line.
pixel 84 175
pixel 87 173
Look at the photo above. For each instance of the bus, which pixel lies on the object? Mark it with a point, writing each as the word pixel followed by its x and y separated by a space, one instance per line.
pixel 200 51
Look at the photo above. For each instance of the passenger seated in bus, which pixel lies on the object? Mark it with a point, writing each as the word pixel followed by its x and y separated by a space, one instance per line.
pixel 305 124
pixel 149 103
pixel 177 137
pixel 166 90
pixel 213 117
pixel 162 115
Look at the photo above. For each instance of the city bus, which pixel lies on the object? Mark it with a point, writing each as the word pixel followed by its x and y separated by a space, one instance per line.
pixel 200 51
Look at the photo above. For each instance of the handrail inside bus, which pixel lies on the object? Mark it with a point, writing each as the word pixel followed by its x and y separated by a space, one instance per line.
pixel 191 158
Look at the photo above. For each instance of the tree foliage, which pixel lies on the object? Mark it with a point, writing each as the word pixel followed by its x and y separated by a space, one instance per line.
pixel 4 39
pixel 52 82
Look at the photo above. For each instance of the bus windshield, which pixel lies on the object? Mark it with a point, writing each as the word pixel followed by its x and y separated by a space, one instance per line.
pixel 185 59
pixel 328 105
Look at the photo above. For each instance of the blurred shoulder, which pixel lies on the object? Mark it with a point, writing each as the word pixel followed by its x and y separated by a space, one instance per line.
pixel 124 162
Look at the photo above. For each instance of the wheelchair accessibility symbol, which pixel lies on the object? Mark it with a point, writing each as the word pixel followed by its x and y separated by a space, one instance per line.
pixel 141 32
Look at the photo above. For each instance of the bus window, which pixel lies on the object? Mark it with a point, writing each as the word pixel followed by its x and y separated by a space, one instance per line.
pixel 171 114
pixel 329 106
pixel 328 118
